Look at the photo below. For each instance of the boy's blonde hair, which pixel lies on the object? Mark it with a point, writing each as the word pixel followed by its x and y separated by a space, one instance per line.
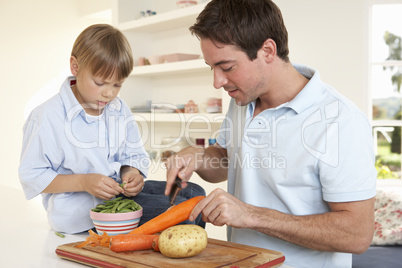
pixel 105 50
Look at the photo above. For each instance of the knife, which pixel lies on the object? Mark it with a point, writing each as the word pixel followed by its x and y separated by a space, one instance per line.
pixel 176 187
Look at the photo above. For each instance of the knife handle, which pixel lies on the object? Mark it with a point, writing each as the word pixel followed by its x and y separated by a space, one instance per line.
pixel 175 190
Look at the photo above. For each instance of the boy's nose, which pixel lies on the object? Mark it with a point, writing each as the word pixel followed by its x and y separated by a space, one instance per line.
pixel 108 92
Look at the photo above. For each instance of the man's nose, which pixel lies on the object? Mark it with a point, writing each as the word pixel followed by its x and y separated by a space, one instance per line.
pixel 219 79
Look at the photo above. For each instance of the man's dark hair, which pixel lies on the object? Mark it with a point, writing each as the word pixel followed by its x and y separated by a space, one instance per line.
pixel 243 23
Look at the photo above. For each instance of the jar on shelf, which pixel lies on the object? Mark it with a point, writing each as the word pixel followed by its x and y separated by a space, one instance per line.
pixel 211 142
pixel 200 142
pixel 191 107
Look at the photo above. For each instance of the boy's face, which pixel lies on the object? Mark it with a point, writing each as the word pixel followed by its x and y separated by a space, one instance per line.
pixel 94 92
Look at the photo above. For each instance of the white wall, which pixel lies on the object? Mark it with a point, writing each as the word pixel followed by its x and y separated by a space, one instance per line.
pixel 36 41
pixel 332 37
pixel 37 36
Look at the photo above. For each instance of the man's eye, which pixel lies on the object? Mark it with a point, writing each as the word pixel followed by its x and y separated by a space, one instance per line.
pixel 227 69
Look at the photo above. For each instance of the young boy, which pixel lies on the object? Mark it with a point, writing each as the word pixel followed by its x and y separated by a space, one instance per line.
pixel 82 143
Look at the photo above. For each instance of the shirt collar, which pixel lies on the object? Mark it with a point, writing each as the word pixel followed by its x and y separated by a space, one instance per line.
pixel 74 108
pixel 305 98
pixel 311 91
pixel 251 108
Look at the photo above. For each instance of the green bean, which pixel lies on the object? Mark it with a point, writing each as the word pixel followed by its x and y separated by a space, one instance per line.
pixel 124 203
pixel 136 206
pixel 124 210
pixel 60 234
pixel 117 205
pixel 106 211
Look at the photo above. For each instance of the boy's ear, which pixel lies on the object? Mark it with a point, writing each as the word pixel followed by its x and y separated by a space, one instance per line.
pixel 73 65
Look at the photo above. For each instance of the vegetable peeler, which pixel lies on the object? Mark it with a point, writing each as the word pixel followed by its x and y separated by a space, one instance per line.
pixel 176 187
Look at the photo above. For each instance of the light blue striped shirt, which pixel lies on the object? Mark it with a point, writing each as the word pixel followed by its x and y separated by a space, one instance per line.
pixel 60 138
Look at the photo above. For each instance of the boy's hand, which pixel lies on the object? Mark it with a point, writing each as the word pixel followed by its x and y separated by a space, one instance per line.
pixel 133 181
pixel 101 186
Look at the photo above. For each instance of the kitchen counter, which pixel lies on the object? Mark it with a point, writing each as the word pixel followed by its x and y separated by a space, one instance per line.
pixel 27 239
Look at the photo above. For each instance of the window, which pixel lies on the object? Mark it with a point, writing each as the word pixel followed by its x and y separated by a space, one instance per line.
pixel 386 85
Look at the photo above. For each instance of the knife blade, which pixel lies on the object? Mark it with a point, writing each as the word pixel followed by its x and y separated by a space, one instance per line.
pixel 176 187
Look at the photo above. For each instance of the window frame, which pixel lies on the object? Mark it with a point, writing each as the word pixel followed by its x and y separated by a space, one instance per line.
pixel 378 124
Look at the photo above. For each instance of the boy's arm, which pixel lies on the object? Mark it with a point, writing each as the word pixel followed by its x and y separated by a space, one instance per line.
pixel 96 184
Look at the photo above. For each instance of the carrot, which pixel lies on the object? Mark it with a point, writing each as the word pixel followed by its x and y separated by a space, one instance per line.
pixel 105 241
pixel 170 217
pixel 95 240
pixel 127 242
pixel 155 244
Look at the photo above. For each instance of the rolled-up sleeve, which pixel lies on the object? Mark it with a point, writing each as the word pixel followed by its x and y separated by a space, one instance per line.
pixel 38 158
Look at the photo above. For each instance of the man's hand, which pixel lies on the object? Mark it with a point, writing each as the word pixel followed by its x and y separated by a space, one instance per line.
pixel 220 208
pixel 183 164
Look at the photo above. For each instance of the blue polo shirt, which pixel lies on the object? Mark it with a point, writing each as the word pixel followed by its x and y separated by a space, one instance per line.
pixel 294 158
pixel 60 138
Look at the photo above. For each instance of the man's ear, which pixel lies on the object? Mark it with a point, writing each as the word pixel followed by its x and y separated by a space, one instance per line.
pixel 269 50
pixel 74 65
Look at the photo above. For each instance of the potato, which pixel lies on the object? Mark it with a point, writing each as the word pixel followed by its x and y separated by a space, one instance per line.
pixel 182 241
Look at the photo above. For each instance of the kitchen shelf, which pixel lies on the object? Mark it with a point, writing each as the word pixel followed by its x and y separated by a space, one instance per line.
pixel 163 21
pixel 179 67
pixel 214 118
pixel 166 33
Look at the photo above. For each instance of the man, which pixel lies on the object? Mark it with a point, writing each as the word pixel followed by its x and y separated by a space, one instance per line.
pixel 297 155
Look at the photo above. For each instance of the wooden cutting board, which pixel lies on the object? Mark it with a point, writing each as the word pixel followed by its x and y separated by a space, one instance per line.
pixel 217 254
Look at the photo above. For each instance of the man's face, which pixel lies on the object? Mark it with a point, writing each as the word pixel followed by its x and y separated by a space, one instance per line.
pixel 244 80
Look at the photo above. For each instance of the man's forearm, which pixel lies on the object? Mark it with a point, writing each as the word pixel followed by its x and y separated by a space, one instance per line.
pixel 214 167
pixel 335 231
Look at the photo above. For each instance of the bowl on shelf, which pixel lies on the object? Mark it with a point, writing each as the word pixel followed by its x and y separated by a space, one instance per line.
pixel 182 4
pixel 116 223
pixel 180 57
pixel 163 108
pixel 213 109
pixel 141 109
pixel 156 59
pixel 214 105
pixel 214 102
